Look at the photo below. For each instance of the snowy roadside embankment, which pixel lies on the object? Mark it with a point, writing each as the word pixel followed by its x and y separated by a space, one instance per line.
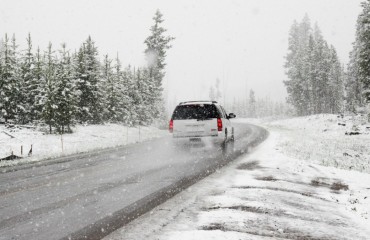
pixel 327 139
pixel 264 195
pixel 83 139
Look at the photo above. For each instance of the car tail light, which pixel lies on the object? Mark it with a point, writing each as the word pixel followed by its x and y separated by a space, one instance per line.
pixel 219 124
pixel 171 126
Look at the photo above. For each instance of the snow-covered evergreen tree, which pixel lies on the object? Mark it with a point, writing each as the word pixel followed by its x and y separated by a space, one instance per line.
pixel 157 45
pixel 28 85
pixel 65 94
pixel 122 94
pixel 1 79
pixel 353 85
pixel 111 91
pixel 82 86
pixel 129 90
pixel 305 35
pixel 143 102
pixel 2 82
pixel 152 100
pixel 38 85
pixel 17 91
pixel 90 107
pixel 293 84
pixel 9 87
pixel 48 100
pixel 137 100
pixel 359 66
pixel 320 71
pixel 335 84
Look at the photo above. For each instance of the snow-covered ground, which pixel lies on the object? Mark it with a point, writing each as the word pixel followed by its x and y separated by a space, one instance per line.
pixel 83 139
pixel 274 192
pixel 327 140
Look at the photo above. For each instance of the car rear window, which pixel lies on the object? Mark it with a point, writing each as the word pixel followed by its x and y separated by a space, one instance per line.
pixel 198 111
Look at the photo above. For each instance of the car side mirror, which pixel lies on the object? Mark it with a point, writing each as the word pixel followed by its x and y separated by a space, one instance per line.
pixel 232 115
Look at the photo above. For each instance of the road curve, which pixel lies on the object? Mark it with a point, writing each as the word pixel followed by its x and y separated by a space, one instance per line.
pixel 88 196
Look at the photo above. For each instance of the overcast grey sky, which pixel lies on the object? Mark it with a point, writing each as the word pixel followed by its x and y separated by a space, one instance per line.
pixel 242 42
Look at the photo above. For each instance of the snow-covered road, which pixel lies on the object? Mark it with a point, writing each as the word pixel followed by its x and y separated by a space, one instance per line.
pixel 92 195
pixel 263 195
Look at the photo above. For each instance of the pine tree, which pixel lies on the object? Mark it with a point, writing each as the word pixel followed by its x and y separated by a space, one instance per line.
pixel 2 81
pixel 129 90
pixel 92 67
pixel 304 65
pixel 137 101
pixel 9 91
pixel 110 87
pixel 156 47
pixel 81 84
pixel 157 44
pixel 49 90
pixel 153 107
pixel 64 98
pixel 87 74
pixel 335 83
pixel 143 100
pixel 122 94
pixel 321 60
pixel 28 87
pixel 353 85
pixel 38 85
pixel 293 66
pixel 361 54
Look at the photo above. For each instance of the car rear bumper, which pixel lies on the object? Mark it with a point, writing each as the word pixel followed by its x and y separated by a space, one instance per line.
pixel 215 139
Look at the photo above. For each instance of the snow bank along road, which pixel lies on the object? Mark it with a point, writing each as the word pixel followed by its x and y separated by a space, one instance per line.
pixel 89 196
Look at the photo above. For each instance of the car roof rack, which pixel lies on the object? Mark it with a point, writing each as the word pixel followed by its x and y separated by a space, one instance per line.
pixel 198 101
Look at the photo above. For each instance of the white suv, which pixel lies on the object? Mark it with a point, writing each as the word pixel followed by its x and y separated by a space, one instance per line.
pixel 202 120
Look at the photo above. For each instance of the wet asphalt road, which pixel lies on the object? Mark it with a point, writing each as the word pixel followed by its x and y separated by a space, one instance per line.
pixel 88 196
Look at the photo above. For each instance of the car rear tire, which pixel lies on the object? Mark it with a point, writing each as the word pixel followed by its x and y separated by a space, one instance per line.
pixel 228 146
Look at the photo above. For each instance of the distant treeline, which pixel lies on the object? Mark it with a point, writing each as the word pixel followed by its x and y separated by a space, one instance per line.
pixel 317 81
pixel 254 107
pixel 60 87
pixel 250 106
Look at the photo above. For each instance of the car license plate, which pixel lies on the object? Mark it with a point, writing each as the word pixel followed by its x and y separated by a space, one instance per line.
pixel 194 128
